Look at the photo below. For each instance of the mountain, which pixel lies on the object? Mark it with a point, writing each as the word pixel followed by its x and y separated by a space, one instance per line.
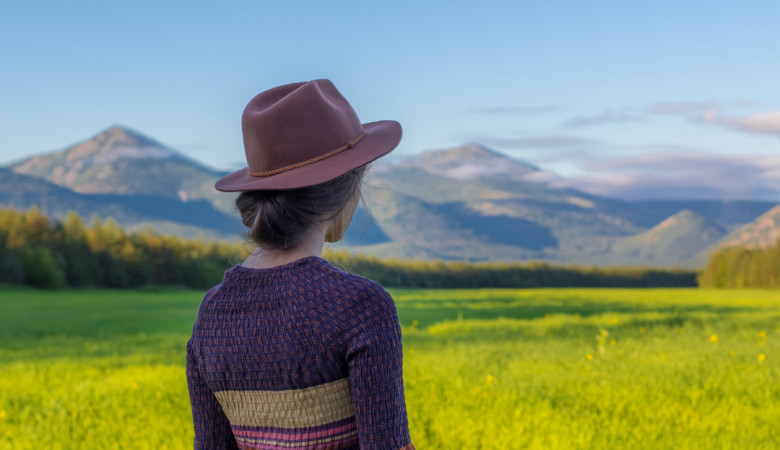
pixel 132 211
pixel 418 229
pixel 762 232
pixel 466 203
pixel 500 208
pixel 677 239
pixel 123 161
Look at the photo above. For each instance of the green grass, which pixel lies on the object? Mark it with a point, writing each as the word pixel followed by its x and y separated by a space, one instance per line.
pixel 552 368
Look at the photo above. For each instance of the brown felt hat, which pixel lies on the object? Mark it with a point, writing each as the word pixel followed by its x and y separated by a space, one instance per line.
pixel 302 134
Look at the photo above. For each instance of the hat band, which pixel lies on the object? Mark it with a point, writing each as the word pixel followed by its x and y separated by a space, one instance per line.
pixel 346 146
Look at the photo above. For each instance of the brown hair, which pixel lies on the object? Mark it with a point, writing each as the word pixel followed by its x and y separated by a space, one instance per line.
pixel 280 219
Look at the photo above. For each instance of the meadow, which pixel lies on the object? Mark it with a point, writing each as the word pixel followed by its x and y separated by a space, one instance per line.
pixel 484 369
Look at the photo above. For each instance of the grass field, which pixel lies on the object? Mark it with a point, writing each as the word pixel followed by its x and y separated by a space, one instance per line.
pixel 492 369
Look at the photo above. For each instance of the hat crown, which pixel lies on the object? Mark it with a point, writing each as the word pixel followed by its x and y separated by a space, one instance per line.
pixel 295 124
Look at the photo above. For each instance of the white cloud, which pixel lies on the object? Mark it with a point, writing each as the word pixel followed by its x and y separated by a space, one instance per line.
pixel 541 149
pixel 676 175
pixel 535 142
pixel 762 123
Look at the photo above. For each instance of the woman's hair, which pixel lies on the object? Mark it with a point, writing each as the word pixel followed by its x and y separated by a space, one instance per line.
pixel 280 219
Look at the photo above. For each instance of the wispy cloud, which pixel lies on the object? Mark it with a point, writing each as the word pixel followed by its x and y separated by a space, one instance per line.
pixel 679 107
pixel 633 114
pixel 680 175
pixel 694 107
pixel 605 117
pixel 762 123
pixel 514 110
pixel 546 141
pixel 542 149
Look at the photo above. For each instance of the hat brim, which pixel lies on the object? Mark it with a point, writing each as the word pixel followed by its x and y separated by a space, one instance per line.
pixel 381 138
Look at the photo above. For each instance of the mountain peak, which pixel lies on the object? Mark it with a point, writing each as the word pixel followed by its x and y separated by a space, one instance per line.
pixel 109 162
pixel 121 135
pixel 469 161
pixel 687 220
pixel 683 217
pixel 115 143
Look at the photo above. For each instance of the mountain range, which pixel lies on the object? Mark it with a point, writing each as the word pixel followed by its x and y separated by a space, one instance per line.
pixel 465 203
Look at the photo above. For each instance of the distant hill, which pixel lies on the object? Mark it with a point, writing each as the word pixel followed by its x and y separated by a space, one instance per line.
pixel 730 214
pixel 465 203
pixel 762 232
pixel 676 239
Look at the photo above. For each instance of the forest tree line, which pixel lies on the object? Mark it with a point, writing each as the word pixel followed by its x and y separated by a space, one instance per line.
pixel 740 267
pixel 36 250
pixel 454 274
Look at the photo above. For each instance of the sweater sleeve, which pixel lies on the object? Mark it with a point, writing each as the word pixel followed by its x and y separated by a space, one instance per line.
pixel 375 356
pixel 212 428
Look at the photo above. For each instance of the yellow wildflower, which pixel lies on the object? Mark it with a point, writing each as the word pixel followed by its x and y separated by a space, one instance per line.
pixel 589 356
pixel 2 414
pixel 612 342
pixel 415 323
pixel 714 338
pixel 761 358
pixel 762 334
pixel 134 385
pixel 489 378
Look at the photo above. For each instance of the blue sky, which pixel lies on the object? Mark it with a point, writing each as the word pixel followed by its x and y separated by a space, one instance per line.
pixel 615 97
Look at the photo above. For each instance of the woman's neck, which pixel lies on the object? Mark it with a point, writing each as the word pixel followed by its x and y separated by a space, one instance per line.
pixel 310 246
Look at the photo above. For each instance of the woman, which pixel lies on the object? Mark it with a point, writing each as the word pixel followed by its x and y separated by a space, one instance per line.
pixel 289 351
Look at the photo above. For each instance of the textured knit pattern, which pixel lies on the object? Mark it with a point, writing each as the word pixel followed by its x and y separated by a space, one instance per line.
pixel 299 356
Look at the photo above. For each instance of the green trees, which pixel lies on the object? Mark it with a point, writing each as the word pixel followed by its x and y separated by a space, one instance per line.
pixel 439 274
pixel 735 267
pixel 38 251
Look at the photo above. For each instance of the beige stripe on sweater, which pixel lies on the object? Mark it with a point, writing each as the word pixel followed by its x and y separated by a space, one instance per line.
pixel 309 407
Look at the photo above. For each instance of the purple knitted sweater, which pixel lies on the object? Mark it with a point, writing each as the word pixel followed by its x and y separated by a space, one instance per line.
pixel 300 356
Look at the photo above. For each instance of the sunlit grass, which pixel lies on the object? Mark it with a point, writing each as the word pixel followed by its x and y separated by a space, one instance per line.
pixel 483 368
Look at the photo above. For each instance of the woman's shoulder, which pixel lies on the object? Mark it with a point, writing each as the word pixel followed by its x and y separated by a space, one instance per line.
pixel 363 301
pixel 359 286
pixel 353 305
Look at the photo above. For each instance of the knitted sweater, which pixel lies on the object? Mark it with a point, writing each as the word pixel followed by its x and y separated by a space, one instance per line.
pixel 300 356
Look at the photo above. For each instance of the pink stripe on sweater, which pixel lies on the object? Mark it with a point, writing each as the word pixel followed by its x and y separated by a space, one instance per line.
pixel 293 436
pixel 337 443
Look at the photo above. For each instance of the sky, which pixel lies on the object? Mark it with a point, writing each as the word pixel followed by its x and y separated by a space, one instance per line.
pixel 661 99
